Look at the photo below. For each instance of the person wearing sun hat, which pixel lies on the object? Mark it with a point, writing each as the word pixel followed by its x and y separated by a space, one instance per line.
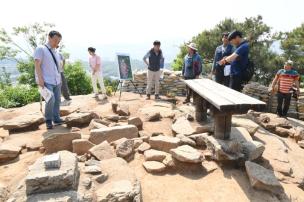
pixel 192 67
pixel 286 79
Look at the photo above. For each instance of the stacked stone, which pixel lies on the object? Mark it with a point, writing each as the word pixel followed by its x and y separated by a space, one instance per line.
pixel 301 105
pixel 171 83
pixel 257 91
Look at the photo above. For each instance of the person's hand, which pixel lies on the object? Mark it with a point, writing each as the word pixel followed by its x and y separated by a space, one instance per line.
pixel 222 62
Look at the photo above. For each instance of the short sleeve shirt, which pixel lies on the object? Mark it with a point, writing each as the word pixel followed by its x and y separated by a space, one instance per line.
pixel 50 73
pixel 287 79
pixel 95 60
pixel 241 62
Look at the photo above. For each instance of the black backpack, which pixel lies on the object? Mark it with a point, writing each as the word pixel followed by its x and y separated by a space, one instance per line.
pixel 248 72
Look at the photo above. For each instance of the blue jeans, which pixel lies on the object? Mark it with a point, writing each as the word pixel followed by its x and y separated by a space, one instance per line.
pixel 52 112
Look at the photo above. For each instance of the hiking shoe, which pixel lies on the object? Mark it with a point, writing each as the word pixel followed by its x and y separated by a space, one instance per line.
pixel 186 101
pixel 59 122
pixel 49 125
pixel 157 97
pixel 148 97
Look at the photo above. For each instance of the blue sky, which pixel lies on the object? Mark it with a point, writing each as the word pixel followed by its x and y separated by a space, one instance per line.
pixel 131 26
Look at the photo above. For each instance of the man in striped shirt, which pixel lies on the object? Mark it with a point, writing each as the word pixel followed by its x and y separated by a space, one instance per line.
pixel 286 79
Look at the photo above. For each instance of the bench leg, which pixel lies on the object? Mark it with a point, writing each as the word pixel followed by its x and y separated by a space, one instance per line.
pixel 222 126
pixel 200 107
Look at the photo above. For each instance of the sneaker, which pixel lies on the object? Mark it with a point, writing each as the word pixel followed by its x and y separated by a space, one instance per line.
pixel 65 103
pixel 49 125
pixel 59 122
pixel 157 97
pixel 186 101
pixel 148 97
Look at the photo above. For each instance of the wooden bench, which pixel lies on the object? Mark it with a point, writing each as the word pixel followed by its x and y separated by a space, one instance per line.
pixel 222 102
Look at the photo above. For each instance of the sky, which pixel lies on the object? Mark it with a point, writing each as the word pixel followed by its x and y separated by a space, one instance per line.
pixel 131 26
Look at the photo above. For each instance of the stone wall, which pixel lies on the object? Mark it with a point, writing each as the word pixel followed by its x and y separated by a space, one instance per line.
pixel 170 84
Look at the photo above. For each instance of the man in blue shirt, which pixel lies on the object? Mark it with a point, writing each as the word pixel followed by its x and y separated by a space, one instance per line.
pixel 47 61
pixel 238 60
pixel 222 51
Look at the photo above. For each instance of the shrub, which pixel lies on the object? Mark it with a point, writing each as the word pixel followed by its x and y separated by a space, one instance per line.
pixel 18 96
pixel 79 81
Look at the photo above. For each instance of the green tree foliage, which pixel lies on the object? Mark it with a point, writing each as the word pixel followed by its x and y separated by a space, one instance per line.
pixel 79 81
pixel 254 30
pixel 292 44
pixel 27 72
pixel 17 96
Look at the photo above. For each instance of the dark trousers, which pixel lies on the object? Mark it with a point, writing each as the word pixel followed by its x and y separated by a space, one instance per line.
pixel 236 82
pixel 64 87
pixel 220 78
pixel 188 90
pixel 283 101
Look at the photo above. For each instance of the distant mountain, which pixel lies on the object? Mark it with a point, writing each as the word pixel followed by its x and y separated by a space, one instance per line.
pixel 110 68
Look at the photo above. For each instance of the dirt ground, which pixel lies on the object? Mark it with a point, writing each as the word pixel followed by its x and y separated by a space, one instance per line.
pixel 188 183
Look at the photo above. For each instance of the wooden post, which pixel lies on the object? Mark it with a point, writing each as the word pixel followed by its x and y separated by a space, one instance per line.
pixel 222 124
pixel 200 107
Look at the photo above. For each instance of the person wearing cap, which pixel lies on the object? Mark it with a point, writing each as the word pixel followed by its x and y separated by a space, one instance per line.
pixel 238 60
pixel 192 67
pixel 95 64
pixel 286 78
pixel 222 51
pixel 155 63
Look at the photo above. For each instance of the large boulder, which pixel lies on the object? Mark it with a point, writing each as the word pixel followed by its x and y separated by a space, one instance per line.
pixel 150 114
pixel 250 125
pixel 186 140
pixel 262 178
pixel 125 148
pixel 24 123
pixel 164 143
pixel 182 126
pixel 8 152
pixel 40 179
pixel 187 154
pixel 81 146
pixel 103 151
pixel 123 110
pixel 113 133
pixel 78 119
pixel 136 121
pixel 122 183
pixel 59 141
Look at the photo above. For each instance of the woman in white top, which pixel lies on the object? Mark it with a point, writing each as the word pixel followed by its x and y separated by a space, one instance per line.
pixel 95 64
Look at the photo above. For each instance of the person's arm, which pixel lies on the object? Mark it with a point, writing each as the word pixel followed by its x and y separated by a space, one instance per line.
pixel 146 57
pixel 98 65
pixel 274 82
pixel 228 59
pixel 39 72
pixel 162 61
pixel 198 67
pixel 214 63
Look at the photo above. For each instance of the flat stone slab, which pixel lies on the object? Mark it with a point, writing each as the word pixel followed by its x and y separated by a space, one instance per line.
pixel 59 141
pixel 155 155
pixel 209 166
pixel 182 126
pixel 154 166
pixel 164 143
pixel 262 178
pixel 250 125
pixel 103 151
pixel 8 152
pixel 136 121
pixel 143 147
pixel 40 180
pixel 66 196
pixel 78 119
pixel 24 123
pixel 187 154
pixel 113 133
pixel 125 148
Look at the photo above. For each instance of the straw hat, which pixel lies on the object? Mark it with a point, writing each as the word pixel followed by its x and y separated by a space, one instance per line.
pixel 192 46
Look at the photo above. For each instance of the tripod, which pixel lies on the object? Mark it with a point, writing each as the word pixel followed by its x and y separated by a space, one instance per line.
pixel 120 84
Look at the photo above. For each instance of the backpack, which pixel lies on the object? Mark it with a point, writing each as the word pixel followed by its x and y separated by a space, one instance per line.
pixel 248 72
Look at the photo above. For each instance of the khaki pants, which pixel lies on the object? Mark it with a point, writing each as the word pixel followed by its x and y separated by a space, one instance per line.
pixel 98 76
pixel 153 78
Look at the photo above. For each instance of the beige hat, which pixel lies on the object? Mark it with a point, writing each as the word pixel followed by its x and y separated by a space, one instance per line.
pixel 289 62
pixel 192 46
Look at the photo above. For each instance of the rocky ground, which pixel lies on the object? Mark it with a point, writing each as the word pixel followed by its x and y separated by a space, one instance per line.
pixel 138 150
